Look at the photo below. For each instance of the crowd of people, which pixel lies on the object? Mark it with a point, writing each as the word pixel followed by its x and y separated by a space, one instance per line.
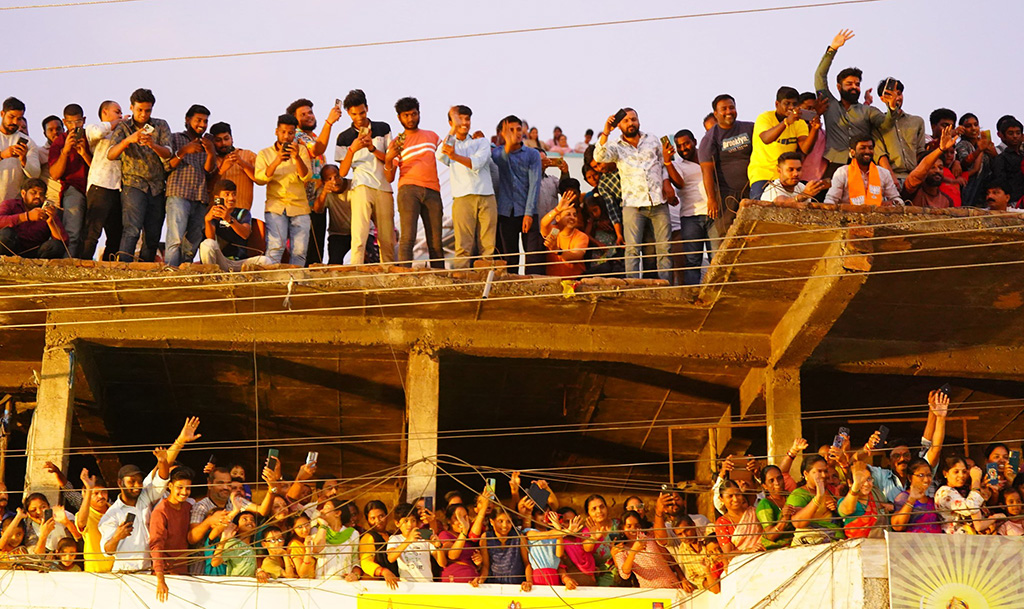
pixel 311 526
pixel 658 206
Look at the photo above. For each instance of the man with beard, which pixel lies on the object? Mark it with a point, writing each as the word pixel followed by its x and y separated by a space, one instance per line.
pixel 724 155
pixel 316 145
pixel 645 184
pixel 846 118
pixel 285 168
pixel 903 144
pixel 69 160
pixel 30 229
pixel 103 186
pixel 128 540
pixel 142 144
pixel 788 187
pixel 516 179
pixel 419 191
pixel 187 193
pixel 235 164
pixel 862 182
pixel 53 127
pixel 18 156
pixel 922 185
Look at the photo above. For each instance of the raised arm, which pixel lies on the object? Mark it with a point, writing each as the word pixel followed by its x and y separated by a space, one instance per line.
pixel 938 407
pixel 821 73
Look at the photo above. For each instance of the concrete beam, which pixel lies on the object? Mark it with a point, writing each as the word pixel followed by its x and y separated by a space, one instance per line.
pixel 16 376
pixel 422 387
pixel 870 356
pixel 50 431
pixel 782 406
pixel 480 338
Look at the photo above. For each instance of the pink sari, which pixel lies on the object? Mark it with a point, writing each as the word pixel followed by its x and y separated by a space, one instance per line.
pixel 746 535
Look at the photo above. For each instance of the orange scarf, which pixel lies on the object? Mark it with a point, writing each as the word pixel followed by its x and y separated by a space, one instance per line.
pixel 855 182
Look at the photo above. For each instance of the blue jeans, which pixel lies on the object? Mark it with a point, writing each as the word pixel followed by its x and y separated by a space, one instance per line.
pixel 141 213
pixel 185 220
pixel 695 229
pixel 757 189
pixel 281 228
pixel 73 218
pixel 634 219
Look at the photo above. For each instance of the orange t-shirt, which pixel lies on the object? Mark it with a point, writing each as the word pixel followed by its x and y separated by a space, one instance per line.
pixel 557 267
pixel 419 166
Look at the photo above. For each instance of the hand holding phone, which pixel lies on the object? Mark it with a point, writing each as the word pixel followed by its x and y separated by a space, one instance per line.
pixel 428 503
pixel 273 458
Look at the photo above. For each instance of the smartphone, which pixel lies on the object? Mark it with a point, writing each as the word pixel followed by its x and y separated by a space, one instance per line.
pixel 273 458
pixel 538 495
pixel 837 441
pixel 621 114
pixel 426 533
pixel 286 151
pixel 992 469
pixel 130 518
pixel 148 129
pixel 883 434
pixel 80 133
pixel 213 458
pixel 666 142
pixel 401 139
pixel 666 488
pixel 492 485
pixel 428 504
pixel 808 115
pixel 48 514
pixel 1015 461
pixel 23 141
pixel 946 389
pixel 364 131
pixel 337 103
pixel 986 135
pixel 312 457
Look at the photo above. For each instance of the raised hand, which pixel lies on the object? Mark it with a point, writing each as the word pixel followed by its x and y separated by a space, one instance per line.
pixel 841 38
pixel 938 403
pixel 87 480
pixel 948 139
pixel 514 481
pixel 727 466
pixel 188 431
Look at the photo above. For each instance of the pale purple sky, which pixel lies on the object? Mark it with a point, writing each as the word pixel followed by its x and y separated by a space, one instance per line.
pixel 669 71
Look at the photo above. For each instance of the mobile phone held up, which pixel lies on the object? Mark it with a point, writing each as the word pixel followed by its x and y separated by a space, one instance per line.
pixel 539 496
pixel 808 115
pixel 621 114
pixel 130 518
pixel 273 458
pixel 311 457
pixel 428 503
pixel 883 435
pixel 992 471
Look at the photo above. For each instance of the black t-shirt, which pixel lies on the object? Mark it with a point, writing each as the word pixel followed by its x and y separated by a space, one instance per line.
pixel 231 243
pixel 730 151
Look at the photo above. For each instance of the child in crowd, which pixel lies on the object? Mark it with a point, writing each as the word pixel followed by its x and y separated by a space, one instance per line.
pixel 544 534
pixel 414 544
pixel 466 564
pixel 507 556
pixel 66 554
pixel 1013 507
pixel 11 538
pixel 298 547
pixel 278 562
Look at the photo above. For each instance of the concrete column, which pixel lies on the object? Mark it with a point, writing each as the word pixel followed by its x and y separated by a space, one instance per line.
pixel 782 404
pixel 707 463
pixel 50 431
pixel 422 390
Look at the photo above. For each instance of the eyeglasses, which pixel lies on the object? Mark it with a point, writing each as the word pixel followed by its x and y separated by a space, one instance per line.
pixel 928 475
pixel 273 541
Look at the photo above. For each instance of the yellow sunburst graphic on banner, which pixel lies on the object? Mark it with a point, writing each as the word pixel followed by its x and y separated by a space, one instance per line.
pixel 955 571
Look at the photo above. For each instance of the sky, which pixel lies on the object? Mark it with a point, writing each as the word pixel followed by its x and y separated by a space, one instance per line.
pixel 668 70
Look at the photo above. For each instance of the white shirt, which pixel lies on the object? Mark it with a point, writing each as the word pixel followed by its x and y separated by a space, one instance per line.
pixel 464 180
pixel 693 198
pixel 12 174
pixel 133 551
pixel 774 190
pixel 53 187
pixel 366 168
pixel 337 561
pixel 414 561
pixel 102 172
pixel 641 169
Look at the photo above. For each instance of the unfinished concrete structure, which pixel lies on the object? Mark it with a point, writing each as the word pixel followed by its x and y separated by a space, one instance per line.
pixel 810 317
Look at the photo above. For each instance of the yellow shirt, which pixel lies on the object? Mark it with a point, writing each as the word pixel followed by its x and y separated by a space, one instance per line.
pixel 286 191
pixel 95 560
pixel 764 159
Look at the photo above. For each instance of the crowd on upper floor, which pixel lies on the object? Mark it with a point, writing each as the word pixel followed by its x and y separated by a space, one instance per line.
pixel 658 205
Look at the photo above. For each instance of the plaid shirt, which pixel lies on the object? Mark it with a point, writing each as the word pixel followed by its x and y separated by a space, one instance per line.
pixel 188 179
pixel 610 189
pixel 141 167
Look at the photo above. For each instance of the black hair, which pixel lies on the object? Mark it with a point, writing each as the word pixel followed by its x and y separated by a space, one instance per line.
pixel 511 118
pixel 915 463
pixel 940 113
pixel 103 106
pixel 182 472
pixel 295 105
pixel 1001 185
pixel 449 512
pixel 238 479
pixel 31 183
pixel 726 485
pixel 863 137
pixel 224 185
pixel 684 132
pixel 73 110
pixel 459 109
pixel 589 132
pixel 217 470
pixel 993 446
pixel 806 96
pixel 633 514
pixel 1002 120
pixel 142 96
pixel 809 462
pixel 792 155
pixel 451 495
pixel 848 72
pixel 565 509
pixel 765 469
pixel 1010 124
pixel 722 97
pixel 50 119
pixel 950 462
pixel 32 497
pixel 407 104
pixel 967 117
pixel 219 128
pixel 195 109
pixel 287 119
pixel 586 503
pixel 895 82
pixel 373 504
pixel 404 509
pixel 786 93
pixel 355 98
pixel 567 184
pixel 13 103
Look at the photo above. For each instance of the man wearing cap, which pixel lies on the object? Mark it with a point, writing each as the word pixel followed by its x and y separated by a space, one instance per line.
pixel 128 542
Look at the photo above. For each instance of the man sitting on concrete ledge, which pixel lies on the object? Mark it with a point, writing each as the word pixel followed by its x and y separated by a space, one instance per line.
pixel 227 232
pixel 27 228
